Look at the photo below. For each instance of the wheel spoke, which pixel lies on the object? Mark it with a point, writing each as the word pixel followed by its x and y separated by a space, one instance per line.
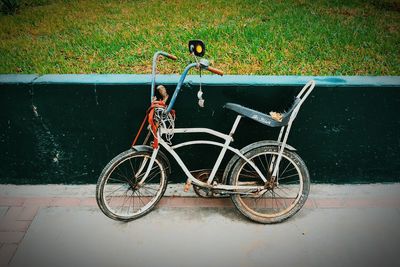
pixel 268 163
pixel 122 199
pixel 146 190
pixel 133 171
pixel 284 189
pixel 116 189
pixel 283 178
pixel 266 171
pixel 153 176
pixel 286 168
pixel 142 174
pixel 149 188
pixel 133 201
pixel 280 197
pixel 121 173
pixel 140 199
pixel 117 180
pixel 125 197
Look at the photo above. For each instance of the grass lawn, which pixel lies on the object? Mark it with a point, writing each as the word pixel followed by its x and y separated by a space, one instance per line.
pixel 276 37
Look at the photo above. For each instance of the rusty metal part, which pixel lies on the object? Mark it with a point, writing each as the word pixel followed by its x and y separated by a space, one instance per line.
pixel 271 183
pixel 187 186
pixel 203 175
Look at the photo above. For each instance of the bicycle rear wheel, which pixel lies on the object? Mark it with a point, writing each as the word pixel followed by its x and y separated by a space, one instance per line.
pixel 118 192
pixel 281 198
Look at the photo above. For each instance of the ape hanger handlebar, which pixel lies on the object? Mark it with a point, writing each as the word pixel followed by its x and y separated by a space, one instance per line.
pixel 154 67
pixel 202 64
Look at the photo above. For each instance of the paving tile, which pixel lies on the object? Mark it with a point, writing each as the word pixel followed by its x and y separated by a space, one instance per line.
pixel 65 202
pixel 198 202
pixel 330 203
pixel 389 202
pixel 38 201
pixel 11 237
pixel 12 214
pixel 310 204
pixel 7 251
pixel 28 213
pixel 88 202
pixel 3 211
pixel 372 202
pixel 11 201
pixel 361 203
pixel 219 202
pixel 14 226
pixel 164 202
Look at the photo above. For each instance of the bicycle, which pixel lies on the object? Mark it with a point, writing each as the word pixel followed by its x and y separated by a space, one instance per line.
pixel 267 181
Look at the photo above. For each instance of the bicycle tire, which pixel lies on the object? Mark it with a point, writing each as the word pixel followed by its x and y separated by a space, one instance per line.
pixel 288 208
pixel 113 172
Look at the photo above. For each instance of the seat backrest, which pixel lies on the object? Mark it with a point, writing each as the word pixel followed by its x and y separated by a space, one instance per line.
pixel 300 98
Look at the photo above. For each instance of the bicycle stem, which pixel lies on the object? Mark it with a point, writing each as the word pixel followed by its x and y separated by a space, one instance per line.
pixel 179 85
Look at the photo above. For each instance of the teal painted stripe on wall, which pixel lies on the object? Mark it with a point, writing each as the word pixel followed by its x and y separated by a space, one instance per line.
pixel 227 80
pixel 17 78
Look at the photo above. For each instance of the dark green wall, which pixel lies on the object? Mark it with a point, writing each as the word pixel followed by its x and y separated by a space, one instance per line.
pixel 65 128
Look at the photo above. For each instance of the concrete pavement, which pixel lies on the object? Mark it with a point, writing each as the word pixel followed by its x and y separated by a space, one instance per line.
pixel 57 225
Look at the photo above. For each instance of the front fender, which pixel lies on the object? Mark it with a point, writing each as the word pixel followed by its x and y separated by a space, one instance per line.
pixel 246 149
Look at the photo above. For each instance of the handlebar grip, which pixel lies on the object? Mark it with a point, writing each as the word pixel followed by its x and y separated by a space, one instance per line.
pixel 216 71
pixel 170 56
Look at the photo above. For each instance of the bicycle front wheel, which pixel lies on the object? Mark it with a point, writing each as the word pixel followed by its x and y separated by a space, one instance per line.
pixel 281 197
pixel 119 194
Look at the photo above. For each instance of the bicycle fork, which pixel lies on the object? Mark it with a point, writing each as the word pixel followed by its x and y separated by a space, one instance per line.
pixel 149 168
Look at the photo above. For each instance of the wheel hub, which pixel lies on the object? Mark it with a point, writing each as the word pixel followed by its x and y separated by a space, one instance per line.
pixel 270 184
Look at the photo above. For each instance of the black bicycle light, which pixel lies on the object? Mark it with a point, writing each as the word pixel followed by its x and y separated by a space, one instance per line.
pixel 197 47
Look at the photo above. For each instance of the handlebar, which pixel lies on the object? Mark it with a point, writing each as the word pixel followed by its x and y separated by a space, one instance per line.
pixel 203 64
pixel 153 73
pixel 216 71
pixel 170 56
pixel 165 54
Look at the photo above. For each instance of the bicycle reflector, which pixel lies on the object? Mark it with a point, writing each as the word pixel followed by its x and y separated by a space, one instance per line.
pixel 197 47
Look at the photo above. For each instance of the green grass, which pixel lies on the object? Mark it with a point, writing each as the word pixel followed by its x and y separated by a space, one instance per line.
pixel 288 37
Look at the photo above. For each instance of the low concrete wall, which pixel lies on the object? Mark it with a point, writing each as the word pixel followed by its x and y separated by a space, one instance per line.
pixel 65 128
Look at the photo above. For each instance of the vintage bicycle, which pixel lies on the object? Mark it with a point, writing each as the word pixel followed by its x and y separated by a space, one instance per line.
pixel 267 180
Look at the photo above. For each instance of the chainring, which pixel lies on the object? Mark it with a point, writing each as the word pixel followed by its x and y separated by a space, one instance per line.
pixel 203 192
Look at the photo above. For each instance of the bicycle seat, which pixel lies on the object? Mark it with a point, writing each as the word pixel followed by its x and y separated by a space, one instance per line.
pixel 262 117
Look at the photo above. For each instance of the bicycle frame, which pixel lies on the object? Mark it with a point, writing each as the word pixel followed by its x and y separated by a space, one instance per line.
pixel 142 172
pixel 274 168
pixel 224 145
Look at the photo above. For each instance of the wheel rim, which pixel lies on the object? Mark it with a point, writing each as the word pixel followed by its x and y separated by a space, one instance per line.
pixel 278 198
pixel 121 194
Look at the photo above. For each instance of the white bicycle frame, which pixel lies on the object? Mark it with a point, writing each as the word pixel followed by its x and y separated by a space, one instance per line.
pixel 225 146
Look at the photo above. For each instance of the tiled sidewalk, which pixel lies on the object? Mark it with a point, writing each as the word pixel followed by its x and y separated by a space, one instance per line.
pixel 17 213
